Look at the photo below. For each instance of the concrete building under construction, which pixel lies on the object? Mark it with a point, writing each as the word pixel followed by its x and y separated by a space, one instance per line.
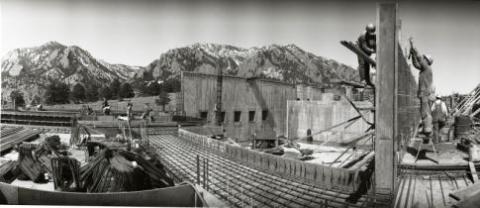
pixel 328 151
pixel 249 105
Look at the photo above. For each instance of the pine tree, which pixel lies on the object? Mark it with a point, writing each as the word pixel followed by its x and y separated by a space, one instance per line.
pixel 78 93
pixel 172 85
pixel 57 93
pixel 105 92
pixel 91 93
pixel 126 91
pixel 17 98
pixel 163 99
pixel 36 100
pixel 115 88
pixel 154 88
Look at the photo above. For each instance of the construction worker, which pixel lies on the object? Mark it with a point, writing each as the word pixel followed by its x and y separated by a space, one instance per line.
pixel 146 114
pixel 423 64
pixel 129 111
pixel 439 118
pixel 105 102
pixel 106 110
pixel 367 42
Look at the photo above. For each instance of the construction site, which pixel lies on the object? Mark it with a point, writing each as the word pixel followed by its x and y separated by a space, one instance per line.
pixel 233 141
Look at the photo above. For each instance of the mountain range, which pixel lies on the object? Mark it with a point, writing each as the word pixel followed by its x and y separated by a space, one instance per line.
pixel 31 69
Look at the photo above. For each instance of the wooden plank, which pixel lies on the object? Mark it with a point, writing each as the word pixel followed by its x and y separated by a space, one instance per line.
pixel 473 171
pixel 281 165
pixel 310 171
pixel 320 174
pixel 251 158
pixel 334 174
pixel 354 48
pixel 244 154
pixel 385 99
pixel 272 162
pixel 298 169
pixel 363 162
pixel 327 173
pixel 462 194
pixel 262 160
pixel 288 167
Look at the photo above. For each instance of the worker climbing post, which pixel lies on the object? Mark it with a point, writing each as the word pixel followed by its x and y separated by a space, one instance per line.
pixel 423 64
pixel 367 43
pixel 439 118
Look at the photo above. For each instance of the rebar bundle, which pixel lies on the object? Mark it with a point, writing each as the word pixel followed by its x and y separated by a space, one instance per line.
pixel 27 162
pixel 66 173
pixel 119 170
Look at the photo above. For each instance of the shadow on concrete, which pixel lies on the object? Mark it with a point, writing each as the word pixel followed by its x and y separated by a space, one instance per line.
pixel 422 155
pixel 365 183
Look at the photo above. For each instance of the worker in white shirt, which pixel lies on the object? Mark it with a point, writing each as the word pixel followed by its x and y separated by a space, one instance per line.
pixel 439 117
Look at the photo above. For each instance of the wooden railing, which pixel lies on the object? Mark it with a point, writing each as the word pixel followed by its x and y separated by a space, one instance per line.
pixel 323 176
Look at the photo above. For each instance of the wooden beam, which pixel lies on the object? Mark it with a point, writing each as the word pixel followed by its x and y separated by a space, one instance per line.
pixel 473 172
pixel 464 193
pixel 386 89
pixel 363 162
pixel 351 145
pixel 354 48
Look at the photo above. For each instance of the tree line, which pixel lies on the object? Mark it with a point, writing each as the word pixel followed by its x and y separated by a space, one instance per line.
pixel 61 93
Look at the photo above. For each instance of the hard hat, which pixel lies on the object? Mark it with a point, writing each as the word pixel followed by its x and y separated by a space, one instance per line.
pixel 429 58
pixel 370 28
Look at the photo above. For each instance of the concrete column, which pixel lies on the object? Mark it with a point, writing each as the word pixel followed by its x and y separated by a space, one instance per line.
pixel 386 89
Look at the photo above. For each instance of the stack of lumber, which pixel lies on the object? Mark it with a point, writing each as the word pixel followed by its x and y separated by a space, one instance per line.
pixel 7 131
pixel 13 136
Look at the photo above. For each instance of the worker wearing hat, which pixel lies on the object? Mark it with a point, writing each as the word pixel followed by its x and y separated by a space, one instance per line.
pixel 439 117
pixel 425 80
pixel 367 43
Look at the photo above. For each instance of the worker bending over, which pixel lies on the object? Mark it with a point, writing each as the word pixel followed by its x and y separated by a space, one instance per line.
pixel 439 118
pixel 367 42
pixel 423 64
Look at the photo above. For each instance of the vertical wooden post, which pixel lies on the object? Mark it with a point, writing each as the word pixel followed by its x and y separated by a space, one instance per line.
pixel 198 169
pixel 204 172
pixel 386 88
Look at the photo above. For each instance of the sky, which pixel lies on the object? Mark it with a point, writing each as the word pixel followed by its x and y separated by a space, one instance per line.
pixel 137 32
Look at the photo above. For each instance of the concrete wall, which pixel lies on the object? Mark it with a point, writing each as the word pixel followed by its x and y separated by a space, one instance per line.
pixel 319 115
pixel 176 196
pixel 305 92
pixel 239 94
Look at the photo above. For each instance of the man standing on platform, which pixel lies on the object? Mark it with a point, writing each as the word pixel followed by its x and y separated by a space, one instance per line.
pixel 425 78
pixel 439 118
pixel 367 42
